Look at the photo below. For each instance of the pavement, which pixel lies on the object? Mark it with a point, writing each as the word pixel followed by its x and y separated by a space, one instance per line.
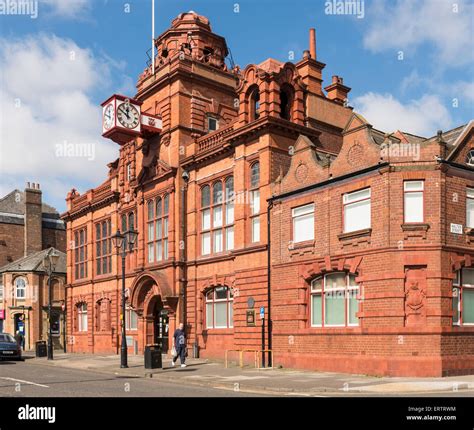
pixel 213 375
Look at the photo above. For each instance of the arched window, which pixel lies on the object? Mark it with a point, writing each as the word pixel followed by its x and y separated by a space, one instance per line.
pixel 20 288
pixel 219 308
pixel 255 175
pixel 286 101
pixel 470 158
pixel 463 297
pixel 82 317
pixel 217 218
pixel 334 300
pixel 254 101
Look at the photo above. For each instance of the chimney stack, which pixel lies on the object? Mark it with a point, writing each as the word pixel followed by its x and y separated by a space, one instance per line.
pixel 337 91
pixel 33 236
pixel 312 43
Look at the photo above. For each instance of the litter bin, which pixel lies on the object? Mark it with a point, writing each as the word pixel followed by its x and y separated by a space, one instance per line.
pixel 41 350
pixel 153 357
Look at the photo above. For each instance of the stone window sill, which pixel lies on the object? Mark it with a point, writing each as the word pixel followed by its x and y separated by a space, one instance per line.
pixel 301 245
pixel 413 230
pixel 355 234
pixel 415 227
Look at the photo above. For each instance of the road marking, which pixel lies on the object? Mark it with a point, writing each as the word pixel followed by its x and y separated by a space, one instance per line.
pixel 24 382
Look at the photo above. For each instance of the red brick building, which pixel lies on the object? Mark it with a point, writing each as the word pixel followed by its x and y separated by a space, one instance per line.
pixel 29 228
pixel 241 150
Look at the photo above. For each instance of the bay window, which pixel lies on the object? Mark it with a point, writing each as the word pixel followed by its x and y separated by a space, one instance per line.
pixel 357 210
pixel 334 301
pixel 20 288
pixel 413 201
pixel 219 308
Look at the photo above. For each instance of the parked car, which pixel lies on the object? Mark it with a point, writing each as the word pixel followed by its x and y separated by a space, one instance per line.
pixel 9 348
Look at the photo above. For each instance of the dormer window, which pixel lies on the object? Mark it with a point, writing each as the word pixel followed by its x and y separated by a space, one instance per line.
pixel 212 123
pixel 470 158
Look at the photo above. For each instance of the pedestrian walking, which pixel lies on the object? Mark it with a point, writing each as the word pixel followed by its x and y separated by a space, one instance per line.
pixel 179 345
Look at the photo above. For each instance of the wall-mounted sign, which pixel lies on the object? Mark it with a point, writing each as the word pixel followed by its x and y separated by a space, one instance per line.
pixel 2 314
pixel 250 317
pixel 262 312
pixel 456 228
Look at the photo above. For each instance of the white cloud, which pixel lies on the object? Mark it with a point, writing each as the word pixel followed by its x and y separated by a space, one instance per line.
pixel 67 8
pixel 423 117
pixel 45 100
pixel 408 25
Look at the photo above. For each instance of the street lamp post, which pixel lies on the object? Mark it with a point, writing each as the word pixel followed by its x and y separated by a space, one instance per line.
pixel 123 243
pixel 49 265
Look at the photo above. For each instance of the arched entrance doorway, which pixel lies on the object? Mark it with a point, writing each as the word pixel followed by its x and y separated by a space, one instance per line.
pixel 152 299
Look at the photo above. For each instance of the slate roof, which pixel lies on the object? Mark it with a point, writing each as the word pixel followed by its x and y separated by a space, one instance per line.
pixel 32 263
pixel 12 211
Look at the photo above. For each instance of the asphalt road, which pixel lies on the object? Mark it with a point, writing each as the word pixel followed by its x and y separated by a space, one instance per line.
pixel 25 379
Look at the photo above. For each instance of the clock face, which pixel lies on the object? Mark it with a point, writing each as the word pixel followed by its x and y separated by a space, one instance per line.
pixel 108 119
pixel 128 115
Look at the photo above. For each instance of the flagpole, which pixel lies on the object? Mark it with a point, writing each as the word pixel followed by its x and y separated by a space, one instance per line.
pixel 153 35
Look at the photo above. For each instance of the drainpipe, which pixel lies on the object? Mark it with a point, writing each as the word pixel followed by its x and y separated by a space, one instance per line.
pixel 269 259
pixel 184 249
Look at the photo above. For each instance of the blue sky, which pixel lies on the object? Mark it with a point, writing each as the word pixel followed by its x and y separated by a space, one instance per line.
pixel 409 63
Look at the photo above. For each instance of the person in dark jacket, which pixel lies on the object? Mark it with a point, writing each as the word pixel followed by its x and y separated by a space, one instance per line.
pixel 179 343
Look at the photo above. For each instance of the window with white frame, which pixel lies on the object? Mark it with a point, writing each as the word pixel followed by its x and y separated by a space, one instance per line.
pixel 131 319
pixel 80 253
pixel 103 247
pixel 303 223
pixel 413 201
pixel 357 210
pixel 129 171
pixel 470 208
pixel 20 288
pixel 219 308
pixel 1 291
pixel 82 317
pixel 334 301
pixel 255 201
pixel 470 158
pixel 157 228
pixel 463 297
pixel 217 217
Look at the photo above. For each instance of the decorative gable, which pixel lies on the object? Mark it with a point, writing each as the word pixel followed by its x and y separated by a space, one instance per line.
pixel 307 166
